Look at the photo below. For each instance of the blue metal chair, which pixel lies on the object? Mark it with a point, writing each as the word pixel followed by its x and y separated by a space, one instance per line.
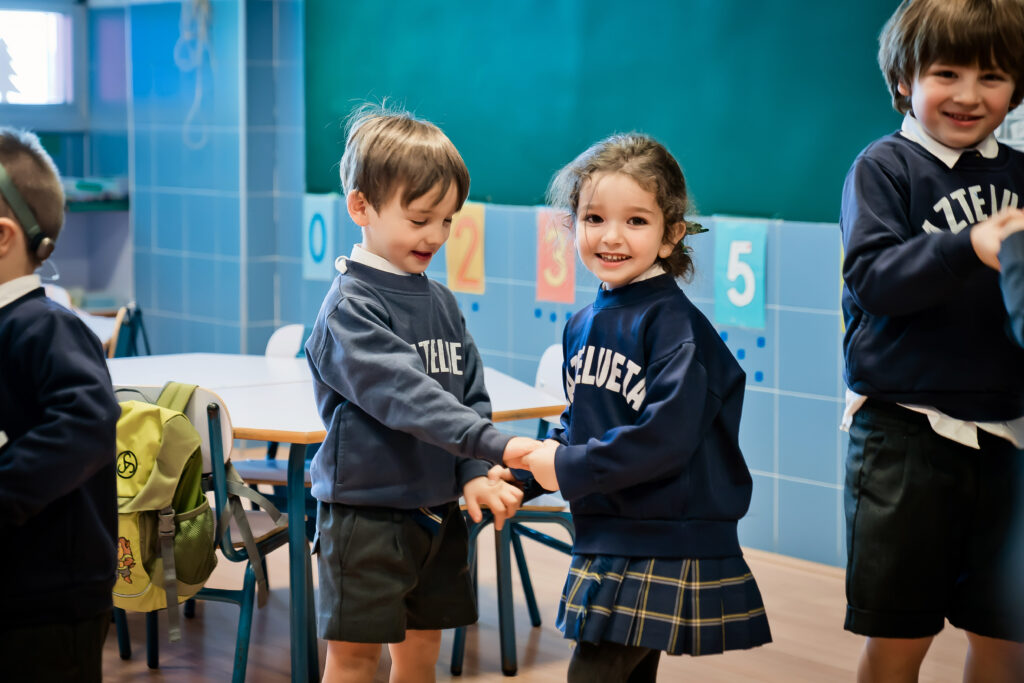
pixel 129 331
pixel 206 412
pixel 546 509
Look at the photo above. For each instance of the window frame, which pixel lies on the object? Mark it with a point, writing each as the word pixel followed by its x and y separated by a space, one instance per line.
pixel 56 118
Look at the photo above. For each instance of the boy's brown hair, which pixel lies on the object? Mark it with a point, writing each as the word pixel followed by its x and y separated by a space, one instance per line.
pixel 36 179
pixel 388 149
pixel 653 168
pixel 989 33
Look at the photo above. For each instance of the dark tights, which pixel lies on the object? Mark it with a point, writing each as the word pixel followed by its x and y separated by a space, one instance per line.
pixel 613 663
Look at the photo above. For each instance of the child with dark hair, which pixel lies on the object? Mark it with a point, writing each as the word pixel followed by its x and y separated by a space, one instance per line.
pixel 58 506
pixel 648 450
pixel 935 407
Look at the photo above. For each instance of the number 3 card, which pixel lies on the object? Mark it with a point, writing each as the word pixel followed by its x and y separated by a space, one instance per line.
pixel 739 272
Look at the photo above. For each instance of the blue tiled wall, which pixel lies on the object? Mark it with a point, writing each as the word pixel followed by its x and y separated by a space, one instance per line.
pixel 187 179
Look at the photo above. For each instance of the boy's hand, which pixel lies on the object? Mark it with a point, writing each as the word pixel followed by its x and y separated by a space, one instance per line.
pixel 541 463
pixel 988 235
pixel 500 473
pixel 499 496
pixel 516 449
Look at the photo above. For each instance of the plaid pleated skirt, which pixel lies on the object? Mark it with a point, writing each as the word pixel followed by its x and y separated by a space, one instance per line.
pixel 680 606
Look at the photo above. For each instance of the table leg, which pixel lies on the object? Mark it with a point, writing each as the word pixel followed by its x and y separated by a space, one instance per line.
pixel 506 617
pixel 298 557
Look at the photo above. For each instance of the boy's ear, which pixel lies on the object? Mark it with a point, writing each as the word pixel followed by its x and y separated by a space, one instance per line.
pixel 8 235
pixel 358 208
pixel 903 89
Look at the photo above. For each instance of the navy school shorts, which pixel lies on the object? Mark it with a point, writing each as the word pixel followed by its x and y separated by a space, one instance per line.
pixel 933 529
pixel 381 572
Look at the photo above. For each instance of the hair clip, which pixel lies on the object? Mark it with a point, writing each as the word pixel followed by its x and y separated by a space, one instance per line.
pixel 694 228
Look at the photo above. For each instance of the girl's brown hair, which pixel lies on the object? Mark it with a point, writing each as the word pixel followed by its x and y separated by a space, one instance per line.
pixel 989 33
pixel 646 161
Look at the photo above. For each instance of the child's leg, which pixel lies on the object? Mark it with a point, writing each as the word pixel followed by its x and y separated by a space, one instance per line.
pixel 414 660
pixel 613 663
pixel 351 662
pixel 891 660
pixel 991 660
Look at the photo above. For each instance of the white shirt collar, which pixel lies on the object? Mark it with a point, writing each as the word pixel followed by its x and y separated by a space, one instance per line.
pixel 14 289
pixel 913 130
pixel 655 270
pixel 368 258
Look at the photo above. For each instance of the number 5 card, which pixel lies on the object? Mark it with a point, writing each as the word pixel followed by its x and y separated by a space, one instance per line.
pixel 739 272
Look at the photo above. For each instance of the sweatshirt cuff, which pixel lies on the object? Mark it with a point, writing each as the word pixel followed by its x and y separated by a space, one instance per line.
pixel 467 470
pixel 575 478
pixel 491 446
pixel 1012 245
pixel 958 253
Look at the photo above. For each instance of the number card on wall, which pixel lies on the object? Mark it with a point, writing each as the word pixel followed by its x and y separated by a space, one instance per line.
pixel 556 259
pixel 739 272
pixel 319 221
pixel 464 250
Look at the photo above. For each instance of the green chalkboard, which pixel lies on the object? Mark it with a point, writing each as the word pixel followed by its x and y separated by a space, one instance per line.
pixel 765 104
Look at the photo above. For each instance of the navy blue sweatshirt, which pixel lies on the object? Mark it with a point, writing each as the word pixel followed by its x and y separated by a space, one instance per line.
pixel 400 387
pixel 925 321
pixel 652 465
pixel 1011 259
pixel 58 501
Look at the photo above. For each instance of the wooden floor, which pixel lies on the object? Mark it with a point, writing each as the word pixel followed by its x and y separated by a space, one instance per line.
pixel 804 601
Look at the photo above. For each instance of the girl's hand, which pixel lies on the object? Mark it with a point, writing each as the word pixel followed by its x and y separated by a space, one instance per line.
pixel 987 236
pixel 516 449
pixel 541 463
pixel 499 473
pixel 500 497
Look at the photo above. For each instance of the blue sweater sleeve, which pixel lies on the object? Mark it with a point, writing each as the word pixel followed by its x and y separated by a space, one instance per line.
pixel 76 435
pixel 891 267
pixel 479 400
pixel 676 413
pixel 362 359
pixel 1011 260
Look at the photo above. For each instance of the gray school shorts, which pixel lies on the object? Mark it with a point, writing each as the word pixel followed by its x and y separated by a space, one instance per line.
pixel 382 573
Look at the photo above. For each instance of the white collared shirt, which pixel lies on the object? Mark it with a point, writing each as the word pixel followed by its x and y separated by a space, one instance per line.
pixel 655 270
pixel 913 130
pixel 367 258
pixel 13 290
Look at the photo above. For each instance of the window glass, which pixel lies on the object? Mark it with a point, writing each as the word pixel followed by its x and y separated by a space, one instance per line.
pixel 35 57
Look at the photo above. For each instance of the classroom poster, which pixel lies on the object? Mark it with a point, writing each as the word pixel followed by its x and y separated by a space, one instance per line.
pixel 464 251
pixel 556 259
pixel 739 272
pixel 319 221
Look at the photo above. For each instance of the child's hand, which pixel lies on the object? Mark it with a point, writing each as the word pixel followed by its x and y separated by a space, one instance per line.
pixel 541 463
pixel 500 473
pixel 516 449
pixel 988 235
pixel 502 498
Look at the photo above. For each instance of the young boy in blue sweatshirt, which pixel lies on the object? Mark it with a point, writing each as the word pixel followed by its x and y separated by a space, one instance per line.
pixel 935 404
pixel 58 506
pixel 400 386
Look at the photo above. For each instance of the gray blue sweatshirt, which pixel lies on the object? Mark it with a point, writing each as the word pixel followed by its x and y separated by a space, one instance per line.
pixel 400 387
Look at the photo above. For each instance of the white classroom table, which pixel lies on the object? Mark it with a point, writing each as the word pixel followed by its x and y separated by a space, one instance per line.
pixel 271 399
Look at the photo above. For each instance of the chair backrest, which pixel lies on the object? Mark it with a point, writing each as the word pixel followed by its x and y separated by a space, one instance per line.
pixel 128 330
pixel 549 372
pixel 195 411
pixel 286 341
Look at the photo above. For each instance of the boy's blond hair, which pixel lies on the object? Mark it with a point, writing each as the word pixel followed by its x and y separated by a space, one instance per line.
pixel 989 33
pixel 388 150
pixel 35 177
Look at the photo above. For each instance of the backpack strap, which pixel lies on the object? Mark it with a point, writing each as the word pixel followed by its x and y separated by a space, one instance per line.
pixel 166 533
pixel 236 490
pixel 175 396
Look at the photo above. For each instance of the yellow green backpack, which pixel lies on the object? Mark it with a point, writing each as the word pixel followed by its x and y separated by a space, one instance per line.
pixel 166 528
